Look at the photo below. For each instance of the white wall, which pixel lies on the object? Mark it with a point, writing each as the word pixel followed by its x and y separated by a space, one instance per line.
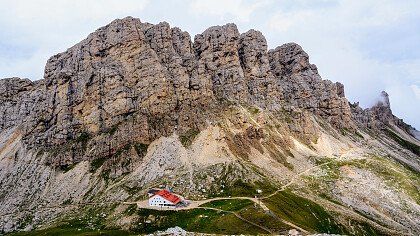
pixel 159 201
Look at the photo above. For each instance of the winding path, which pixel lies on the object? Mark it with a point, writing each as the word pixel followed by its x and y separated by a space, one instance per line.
pixel 298 175
pixel 239 216
pixel 198 204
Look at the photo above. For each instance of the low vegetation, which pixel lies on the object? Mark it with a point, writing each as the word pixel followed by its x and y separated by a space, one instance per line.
pixel 253 110
pixel 406 144
pixel 69 230
pixel 96 164
pixel 258 216
pixel 196 220
pixel 66 168
pixel 83 137
pixel 247 209
pixel 240 188
pixel 91 222
pixel 396 175
pixel 304 213
pixel 188 137
pixel 141 149
pixel 393 173
pixel 353 133
pixel 113 129
pixel 229 205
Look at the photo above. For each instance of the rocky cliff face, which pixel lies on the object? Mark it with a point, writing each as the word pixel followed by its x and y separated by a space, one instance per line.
pixel 108 112
pixel 156 77
pixel 379 116
pixel 303 87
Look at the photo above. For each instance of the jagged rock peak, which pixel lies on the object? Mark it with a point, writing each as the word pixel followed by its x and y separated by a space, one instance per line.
pixel 154 72
pixel 292 57
pixel 384 100
pixel 253 54
pixel 380 116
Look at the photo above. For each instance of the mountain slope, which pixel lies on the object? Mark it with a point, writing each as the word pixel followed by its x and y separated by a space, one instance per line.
pixel 137 105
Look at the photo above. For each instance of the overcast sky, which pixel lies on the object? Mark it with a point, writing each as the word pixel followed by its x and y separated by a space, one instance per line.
pixel 368 45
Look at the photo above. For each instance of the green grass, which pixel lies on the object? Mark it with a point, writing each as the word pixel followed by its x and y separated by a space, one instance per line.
pixel 354 133
pixel 196 220
pixel 96 164
pixel 331 166
pixel 253 110
pixel 66 167
pixel 240 188
pixel 83 138
pixel 396 175
pixel 229 205
pixel 141 149
pixel 68 231
pixel 132 190
pixel 304 213
pixel 90 222
pixel 406 144
pixel 393 173
pixel 363 228
pixel 188 137
pixel 113 129
pixel 258 216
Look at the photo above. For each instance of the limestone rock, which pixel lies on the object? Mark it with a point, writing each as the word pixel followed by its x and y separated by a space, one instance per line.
pixel 303 87
pixel 262 87
pixel 380 116
pixel 133 82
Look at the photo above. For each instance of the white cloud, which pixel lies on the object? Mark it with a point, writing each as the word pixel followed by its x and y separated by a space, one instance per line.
pixel 47 27
pixel 405 100
pixel 416 91
pixel 27 67
pixel 68 10
pixel 241 10
pixel 285 21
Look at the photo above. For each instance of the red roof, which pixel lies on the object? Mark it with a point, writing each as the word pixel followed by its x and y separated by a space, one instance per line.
pixel 168 196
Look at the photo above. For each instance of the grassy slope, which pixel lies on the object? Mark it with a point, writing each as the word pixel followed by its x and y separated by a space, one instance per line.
pixel 391 172
pixel 64 231
pixel 303 213
pixel 286 205
pixel 229 205
pixel 312 217
pixel 258 216
pixel 406 144
pixel 196 220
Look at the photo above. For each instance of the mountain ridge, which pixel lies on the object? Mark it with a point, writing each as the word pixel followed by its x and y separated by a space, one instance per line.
pixel 119 109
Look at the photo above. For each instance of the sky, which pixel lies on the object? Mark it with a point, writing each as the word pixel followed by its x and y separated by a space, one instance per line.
pixel 367 45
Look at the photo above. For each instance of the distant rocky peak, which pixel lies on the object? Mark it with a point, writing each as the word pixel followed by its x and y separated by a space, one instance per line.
pixel 384 100
pixel 379 116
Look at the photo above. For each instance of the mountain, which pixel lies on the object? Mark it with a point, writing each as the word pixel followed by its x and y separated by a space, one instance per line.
pixel 137 105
